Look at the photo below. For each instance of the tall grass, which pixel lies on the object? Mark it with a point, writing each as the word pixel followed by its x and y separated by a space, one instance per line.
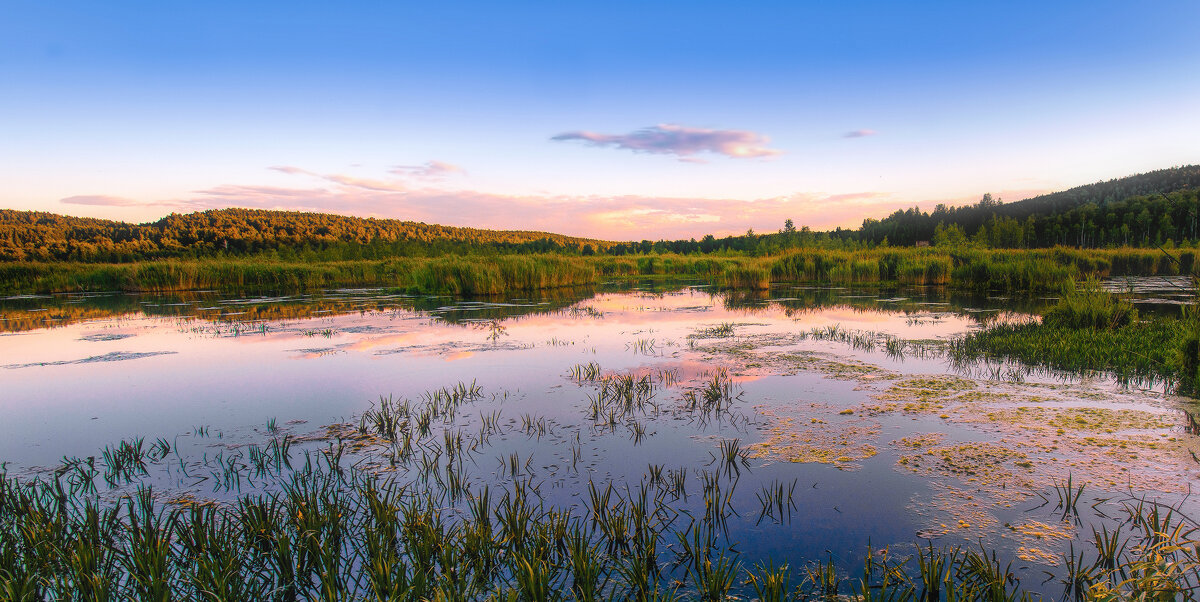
pixel 352 535
pixel 1144 351
pixel 1040 270
pixel 1089 306
pixel 408 524
pixel 1089 330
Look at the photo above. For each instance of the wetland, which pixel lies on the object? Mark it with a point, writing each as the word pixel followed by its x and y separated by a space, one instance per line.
pixel 625 440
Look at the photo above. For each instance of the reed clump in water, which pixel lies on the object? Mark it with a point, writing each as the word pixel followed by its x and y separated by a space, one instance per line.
pixel 1089 306
pixel 1088 330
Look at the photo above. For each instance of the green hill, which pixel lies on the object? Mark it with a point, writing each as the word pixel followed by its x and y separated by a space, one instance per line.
pixel 33 235
pixel 1087 216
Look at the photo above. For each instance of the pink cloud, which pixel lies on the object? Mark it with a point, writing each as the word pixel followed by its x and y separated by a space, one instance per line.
pixel 621 217
pixel 627 217
pixel 366 183
pixel 681 141
pixel 431 169
pixel 234 191
pixel 859 134
pixel 100 201
pixel 288 169
pixel 850 196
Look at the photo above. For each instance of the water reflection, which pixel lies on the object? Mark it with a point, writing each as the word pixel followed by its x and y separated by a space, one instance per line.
pixel 31 312
pixel 883 445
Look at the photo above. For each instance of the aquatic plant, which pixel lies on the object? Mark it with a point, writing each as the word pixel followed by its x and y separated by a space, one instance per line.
pixel 1029 271
pixel 1088 305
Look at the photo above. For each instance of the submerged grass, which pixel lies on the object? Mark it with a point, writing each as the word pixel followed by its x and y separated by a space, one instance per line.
pixel 352 535
pixel 404 518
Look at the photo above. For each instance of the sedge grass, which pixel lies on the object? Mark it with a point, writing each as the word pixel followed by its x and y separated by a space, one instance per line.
pixel 1027 271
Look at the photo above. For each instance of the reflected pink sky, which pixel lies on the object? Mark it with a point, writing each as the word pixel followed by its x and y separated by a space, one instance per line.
pixel 206 375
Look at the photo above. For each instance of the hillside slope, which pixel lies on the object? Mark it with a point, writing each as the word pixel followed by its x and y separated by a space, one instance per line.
pixel 33 235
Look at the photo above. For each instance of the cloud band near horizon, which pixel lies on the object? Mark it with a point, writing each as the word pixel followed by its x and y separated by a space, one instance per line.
pixel 617 217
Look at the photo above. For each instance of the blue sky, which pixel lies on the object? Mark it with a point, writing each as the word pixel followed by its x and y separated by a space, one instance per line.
pixel 617 120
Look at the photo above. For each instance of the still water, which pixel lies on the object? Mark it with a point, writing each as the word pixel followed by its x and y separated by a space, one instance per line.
pixel 845 396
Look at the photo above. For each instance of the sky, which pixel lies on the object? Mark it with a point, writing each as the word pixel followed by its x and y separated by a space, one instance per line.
pixel 615 120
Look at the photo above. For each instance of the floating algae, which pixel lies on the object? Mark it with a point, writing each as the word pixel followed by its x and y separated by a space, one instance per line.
pixel 1079 418
pixel 924 440
pixel 1040 530
pixel 985 462
pixel 1032 554
pixel 841 440
pixel 774 354
pixel 929 395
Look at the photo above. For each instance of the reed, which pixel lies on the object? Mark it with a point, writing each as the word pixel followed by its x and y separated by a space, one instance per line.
pixel 1035 270
pixel 1146 351
pixel 1069 496
pixel 330 536
pixel 777 500
pixel 337 527
pixel 1089 306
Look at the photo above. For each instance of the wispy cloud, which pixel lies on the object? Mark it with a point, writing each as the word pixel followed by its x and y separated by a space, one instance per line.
pixel 620 217
pixel 288 169
pixel 100 201
pixel 366 183
pixel 681 141
pixel 852 196
pixel 431 170
pixel 859 134
pixel 626 217
pixel 235 192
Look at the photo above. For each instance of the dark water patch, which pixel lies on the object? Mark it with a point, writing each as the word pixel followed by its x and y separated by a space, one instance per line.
pixel 115 356
pixel 105 336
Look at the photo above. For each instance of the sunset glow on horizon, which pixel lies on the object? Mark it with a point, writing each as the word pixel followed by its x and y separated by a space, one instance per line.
pixel 618 121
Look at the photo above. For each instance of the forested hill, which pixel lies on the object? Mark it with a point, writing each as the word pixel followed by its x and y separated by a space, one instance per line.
pixel 1147 209
pixel 1089 215
pixel 34 235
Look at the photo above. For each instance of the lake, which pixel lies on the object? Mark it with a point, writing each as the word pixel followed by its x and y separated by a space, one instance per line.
pixel 842 399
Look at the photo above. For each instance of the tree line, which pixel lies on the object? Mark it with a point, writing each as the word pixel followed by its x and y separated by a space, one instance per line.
pixel 40 236
pixel 1156 208
pixel 1140 210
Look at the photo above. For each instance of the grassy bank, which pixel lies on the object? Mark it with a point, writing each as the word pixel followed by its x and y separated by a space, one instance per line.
pixel 1021 271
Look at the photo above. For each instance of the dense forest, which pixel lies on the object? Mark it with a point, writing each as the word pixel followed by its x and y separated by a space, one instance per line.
pixel 1152 209
pixel 1141 210
pixel 39 236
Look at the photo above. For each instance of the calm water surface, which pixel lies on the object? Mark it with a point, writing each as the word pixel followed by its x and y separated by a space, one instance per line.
pixel 892 447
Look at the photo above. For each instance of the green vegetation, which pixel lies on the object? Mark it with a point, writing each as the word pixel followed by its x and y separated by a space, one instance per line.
pixel 1090 307
pixel 1142 210
pixel 288 236
pixel 1188 358
pixel 1089 330
pixel 1020 271
pixel 1142 351
pixel 1113 226
pixel 455 275
pixel 338 532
